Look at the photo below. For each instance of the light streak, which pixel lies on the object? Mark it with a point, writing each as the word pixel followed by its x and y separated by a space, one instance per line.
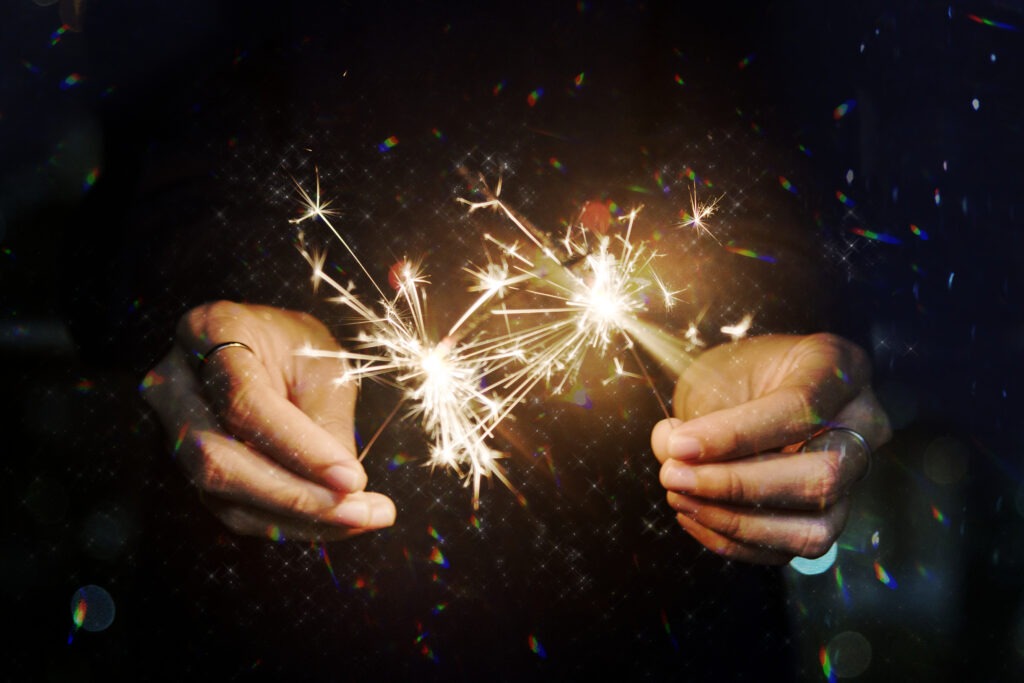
pixel 749 253
pixel 826 664
pixel 535 646
pixel 884 576
pixel 985 21
pixel 875 236
pixel 843 109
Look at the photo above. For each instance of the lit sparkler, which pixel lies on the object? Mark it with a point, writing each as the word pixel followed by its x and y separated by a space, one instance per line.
pixel 442 382
pixel 596 287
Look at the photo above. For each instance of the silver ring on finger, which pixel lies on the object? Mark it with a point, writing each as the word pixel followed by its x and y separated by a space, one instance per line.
pixel 205 357
pixel 825 439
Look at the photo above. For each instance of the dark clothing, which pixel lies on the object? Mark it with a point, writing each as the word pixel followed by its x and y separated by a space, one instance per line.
pixel 198 115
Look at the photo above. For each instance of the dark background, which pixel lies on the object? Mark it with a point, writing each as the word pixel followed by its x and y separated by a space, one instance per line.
pixel 147 155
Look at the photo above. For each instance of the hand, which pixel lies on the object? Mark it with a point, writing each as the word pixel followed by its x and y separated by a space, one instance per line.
pixel 728 461
pixel 266 435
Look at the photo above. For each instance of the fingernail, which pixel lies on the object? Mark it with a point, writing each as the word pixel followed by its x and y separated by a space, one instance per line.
pixel 683 447
pixel 353 513
pixel 678 477
pixel 343 478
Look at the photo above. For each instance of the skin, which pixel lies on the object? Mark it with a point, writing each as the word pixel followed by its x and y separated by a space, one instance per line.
pixel 731 460
pixel 267 436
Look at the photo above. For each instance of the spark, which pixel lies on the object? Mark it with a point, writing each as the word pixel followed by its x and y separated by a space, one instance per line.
pixel 740 329
pixel 589 292
pixel 692 335
pixel 443 383
pixel 699 213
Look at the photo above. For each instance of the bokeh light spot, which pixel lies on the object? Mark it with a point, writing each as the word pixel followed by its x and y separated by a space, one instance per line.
pixel 92 609
pixel 849 654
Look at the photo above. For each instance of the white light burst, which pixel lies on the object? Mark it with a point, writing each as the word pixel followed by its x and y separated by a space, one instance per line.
pixel 442 382
pixel 591 291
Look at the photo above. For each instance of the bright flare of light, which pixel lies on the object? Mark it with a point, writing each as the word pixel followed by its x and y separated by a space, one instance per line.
pixel 740 329
pixel 442 383
pixel 590 291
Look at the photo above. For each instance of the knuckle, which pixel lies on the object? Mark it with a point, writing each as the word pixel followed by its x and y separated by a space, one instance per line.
pixel 730 551
pixel 238 407
pixel 337 425
pixel 209 321
pixel 804 400
pixel 828 343
pixel 731 525
pixel 298 500
pixel 210 473
pixel 844 354
pixel 189 322
pixel 825 487
pixel 735 487
pixel 221 310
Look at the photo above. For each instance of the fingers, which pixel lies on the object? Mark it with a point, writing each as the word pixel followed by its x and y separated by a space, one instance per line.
pixel 731 487
pixel 231 471
pixel 733 550
pixel 781 532
pixel 260 397
pixel 249 406
pixel 787 390
pixel 782 417
pixel 250 521
pixel 804 481
pixel 228 469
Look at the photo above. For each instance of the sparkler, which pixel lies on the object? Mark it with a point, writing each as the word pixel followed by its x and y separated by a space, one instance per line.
pixel 590 292
pixel 441 381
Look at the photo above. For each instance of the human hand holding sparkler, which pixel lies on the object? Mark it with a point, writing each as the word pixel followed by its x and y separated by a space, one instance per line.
pixel 728 462
pixel 264 433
